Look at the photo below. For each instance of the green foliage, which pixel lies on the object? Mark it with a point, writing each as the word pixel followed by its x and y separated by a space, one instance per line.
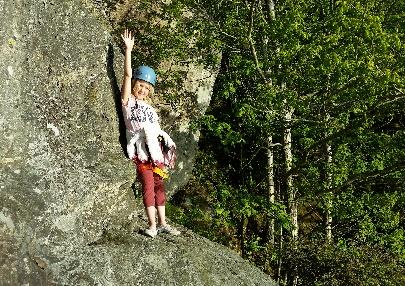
pixel 222 130
pixel 168 37
pixel 214 208
pixel 345 264
pixel 340 66
pixel 376 217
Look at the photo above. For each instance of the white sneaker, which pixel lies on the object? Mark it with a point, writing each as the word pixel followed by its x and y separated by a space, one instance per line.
pixel 168 229
pixel 151 232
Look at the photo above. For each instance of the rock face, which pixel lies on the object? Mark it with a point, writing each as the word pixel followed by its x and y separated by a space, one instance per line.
pixel 68 215
pixel 184 86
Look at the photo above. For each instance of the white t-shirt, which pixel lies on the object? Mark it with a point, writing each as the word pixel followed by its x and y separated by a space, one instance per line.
pixel 138 114
pixel 143 130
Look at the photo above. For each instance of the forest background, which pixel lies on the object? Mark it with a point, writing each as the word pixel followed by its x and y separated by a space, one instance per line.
pixel 302 150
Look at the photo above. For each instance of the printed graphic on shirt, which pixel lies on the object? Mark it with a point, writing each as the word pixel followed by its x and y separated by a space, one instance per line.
pixel 141 113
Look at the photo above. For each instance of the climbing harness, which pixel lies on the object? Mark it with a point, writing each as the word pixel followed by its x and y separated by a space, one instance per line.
pixel 148 166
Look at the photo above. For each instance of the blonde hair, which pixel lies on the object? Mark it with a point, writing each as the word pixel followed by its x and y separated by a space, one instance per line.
pixel 135 81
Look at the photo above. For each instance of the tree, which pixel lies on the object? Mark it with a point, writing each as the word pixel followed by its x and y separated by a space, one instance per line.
pixel 340 67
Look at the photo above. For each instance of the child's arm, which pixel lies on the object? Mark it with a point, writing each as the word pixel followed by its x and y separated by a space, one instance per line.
pixel 126 85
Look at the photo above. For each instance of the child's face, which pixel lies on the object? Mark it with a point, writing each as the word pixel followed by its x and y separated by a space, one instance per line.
pixel 141 89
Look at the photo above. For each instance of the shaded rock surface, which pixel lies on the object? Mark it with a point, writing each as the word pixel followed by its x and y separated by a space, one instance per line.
pixel 68 215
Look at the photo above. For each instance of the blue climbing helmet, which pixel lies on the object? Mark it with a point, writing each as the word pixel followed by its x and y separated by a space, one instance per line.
pixel 145 73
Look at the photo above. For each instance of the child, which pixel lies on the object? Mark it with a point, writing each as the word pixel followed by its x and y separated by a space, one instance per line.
pixel 148 146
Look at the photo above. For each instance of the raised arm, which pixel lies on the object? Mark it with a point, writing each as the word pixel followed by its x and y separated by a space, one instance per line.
pixel 126 84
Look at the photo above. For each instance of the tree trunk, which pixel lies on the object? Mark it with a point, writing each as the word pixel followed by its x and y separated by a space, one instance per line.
pixel 242 235
pixel 329 194
pixel 291 192
pixel 328 168
pixel 270 10
pixel 280 260
pixel 271 199
pixel 271 15
pixel 271 190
